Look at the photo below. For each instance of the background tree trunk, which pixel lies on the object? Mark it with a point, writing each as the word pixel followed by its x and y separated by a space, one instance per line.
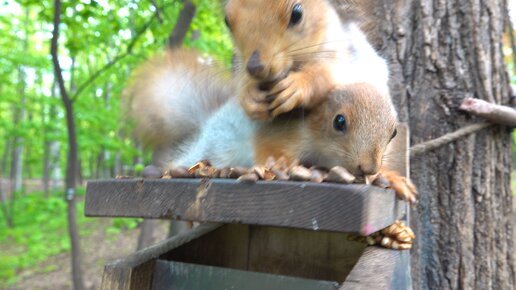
pixel 72 160
pixel 440 53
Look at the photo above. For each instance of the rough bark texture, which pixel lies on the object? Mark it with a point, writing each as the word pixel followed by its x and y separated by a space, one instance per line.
pixel 440 53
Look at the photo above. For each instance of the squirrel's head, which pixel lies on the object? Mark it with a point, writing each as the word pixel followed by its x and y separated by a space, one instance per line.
pixel 352 129
pixel 273 38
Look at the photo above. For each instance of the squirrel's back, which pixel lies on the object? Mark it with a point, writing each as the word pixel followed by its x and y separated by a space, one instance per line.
pixel 172 95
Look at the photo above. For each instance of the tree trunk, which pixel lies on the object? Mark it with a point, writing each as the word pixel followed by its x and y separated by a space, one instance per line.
pixel 7 213
pixel 72 164
pixel 182 25
pixel 440 53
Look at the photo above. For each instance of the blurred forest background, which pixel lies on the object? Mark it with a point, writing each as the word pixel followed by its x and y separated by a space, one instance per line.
pixel 100 43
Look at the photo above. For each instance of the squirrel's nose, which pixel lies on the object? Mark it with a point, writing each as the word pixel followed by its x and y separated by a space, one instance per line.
pixel 368 169
pixel 255 66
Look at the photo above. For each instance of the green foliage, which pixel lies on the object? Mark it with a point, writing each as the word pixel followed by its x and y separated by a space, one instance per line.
pixel 101 43
pixel 40 231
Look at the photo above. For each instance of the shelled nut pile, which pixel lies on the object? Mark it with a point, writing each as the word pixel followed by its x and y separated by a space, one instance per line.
pixel 397 237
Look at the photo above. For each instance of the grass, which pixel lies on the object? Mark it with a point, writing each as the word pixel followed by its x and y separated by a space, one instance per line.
pixel 41 231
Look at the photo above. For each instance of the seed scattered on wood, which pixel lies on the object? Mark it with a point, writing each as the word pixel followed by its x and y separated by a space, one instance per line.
pixel 178 172
pixel 260 171
pixel 248 178
pixel 224 172
pixel 123 177
pixel 197 166
pixel 207 172
pixel 152 172
pixel 340 175
pixel 236 172
pixel 280 175
pixel 317 176
pixel 300 173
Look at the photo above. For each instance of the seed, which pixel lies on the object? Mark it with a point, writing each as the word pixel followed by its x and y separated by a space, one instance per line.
pixel 340 175
pixel 236 172
pixel 178 172
pixel 248 178
pixel 300 173
pixel 152 172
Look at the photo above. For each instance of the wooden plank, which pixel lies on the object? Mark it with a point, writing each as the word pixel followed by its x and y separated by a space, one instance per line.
pixel 135 271
pixel 379 269
pixel 330 207
pixel 225 247
pixel 182 276
pixel 314 255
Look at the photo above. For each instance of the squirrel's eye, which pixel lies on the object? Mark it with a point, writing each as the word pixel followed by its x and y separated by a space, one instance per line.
pixel 394 134
pixel 340 123
pixel 226 20
pixel 297 15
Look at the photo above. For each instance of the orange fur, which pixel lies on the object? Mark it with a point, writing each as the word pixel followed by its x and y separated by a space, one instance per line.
pixel 311 138
pixel 291 56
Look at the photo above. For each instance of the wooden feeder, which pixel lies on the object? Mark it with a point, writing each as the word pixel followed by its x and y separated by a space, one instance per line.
pixel 264 235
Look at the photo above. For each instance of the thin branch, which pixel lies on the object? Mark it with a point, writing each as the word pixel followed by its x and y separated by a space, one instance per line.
pixel 493 113
pixel 158 11
pixel 446 139
pixel 114 61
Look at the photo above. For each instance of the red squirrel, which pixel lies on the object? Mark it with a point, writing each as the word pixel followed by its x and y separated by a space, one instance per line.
pixel 185 108
pixel 292 53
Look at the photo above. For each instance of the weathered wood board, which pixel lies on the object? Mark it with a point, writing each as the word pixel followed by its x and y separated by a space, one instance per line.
pixel 331 207
pixel 182 276
pixel 285 256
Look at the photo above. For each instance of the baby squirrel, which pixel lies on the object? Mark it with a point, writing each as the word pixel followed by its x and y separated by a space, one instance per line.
pixel 185 108
pixel 293 53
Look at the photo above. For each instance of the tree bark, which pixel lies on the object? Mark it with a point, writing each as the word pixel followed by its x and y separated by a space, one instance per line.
pixel 72 164
pixel 441 52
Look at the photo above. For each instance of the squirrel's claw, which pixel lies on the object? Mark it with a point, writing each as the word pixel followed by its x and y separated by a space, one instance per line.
pixel 254 104
pixel 402 186
pixel 286 95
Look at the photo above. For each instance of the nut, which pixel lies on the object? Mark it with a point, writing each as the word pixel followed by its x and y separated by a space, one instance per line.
pixel 280 175
pixel 317 176
pixel 300 173
pixel 178 172
pixel 236 172
pixel 152 172
pixel 207 172
pixel 263 173
pixel 340 175
pixel 224 172
pixel 248 178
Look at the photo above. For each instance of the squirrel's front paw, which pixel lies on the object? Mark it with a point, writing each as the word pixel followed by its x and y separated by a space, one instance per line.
pixel 288 94
pixel 403 187
pixel 253 101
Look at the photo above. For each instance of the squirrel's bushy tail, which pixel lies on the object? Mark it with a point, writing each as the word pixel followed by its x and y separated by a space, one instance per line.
pixel 172 95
